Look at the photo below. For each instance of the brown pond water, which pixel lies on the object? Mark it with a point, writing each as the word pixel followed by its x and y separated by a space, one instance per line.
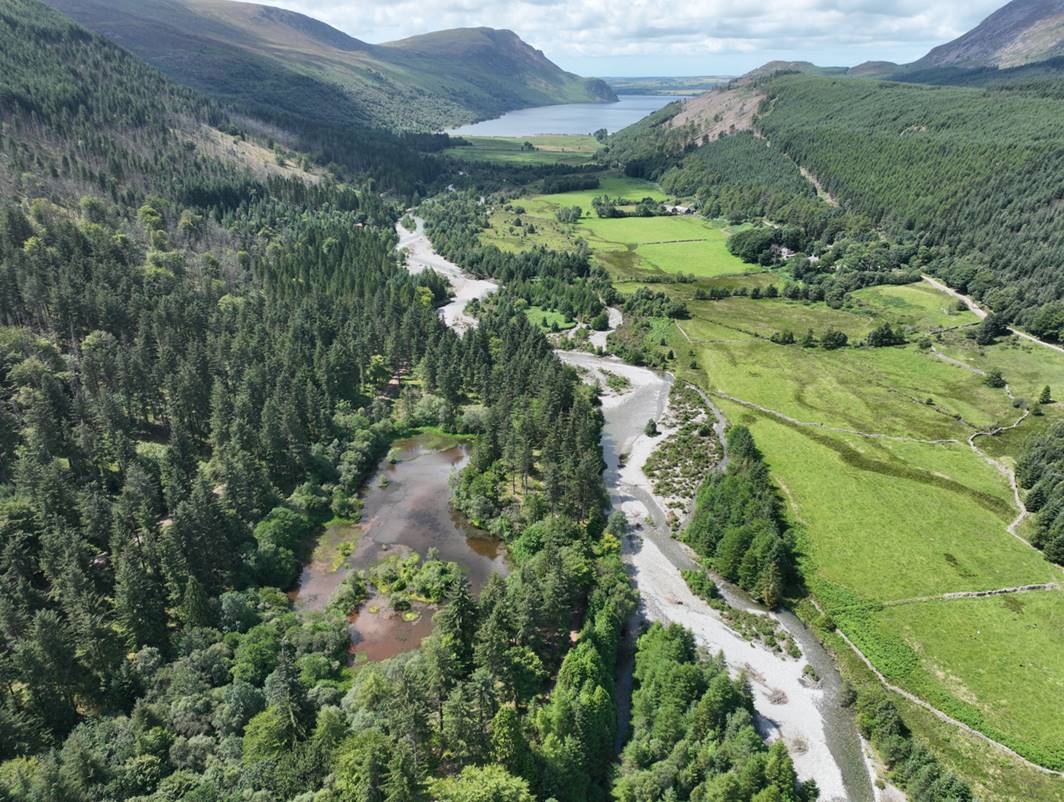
pixel 406 509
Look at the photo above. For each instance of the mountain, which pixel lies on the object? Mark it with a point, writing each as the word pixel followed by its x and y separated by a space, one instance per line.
pixel 81 116
pixel 1022 32
pixel 1019 33
pixel 280 63
pixel 807 67
pixel 873 69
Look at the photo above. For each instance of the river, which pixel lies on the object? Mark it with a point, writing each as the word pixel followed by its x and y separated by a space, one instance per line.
pixel 420 255
pixel 569 118
pixel 810 717
pixel 820 733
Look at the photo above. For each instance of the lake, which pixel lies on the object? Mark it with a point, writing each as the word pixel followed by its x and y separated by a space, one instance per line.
pixel 570 118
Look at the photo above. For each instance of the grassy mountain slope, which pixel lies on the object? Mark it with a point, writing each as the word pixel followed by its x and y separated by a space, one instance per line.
pixel 267 58
pixel 1022 32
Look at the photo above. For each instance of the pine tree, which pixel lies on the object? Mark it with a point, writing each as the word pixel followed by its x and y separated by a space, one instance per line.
pixel 139 603
pixel 456 626
pixel 196 609
pixel 509 746
pixel 178 466
pixel 286 694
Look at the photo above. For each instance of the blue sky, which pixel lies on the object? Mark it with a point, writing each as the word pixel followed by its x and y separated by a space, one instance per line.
pixel 659 37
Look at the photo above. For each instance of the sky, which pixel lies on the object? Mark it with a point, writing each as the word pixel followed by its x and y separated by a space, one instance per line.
pixel 674 37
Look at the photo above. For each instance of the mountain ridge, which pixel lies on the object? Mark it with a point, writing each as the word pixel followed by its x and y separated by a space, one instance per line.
pixel 266 58
pixel 1020 32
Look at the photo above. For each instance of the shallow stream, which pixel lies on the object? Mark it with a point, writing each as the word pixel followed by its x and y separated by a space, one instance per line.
pixel 819 731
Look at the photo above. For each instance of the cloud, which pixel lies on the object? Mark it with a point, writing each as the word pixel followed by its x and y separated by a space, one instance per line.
pixel 571 32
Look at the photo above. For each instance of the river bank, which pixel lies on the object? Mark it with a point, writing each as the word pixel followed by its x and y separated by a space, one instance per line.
pixel 419 255
pixel 809 716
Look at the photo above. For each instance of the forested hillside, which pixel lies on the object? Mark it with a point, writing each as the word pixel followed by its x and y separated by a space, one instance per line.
pixel 81 114
pixel 199 361
pixel 124 134
pixel 287 67
pixel 971 173
pixel 967 178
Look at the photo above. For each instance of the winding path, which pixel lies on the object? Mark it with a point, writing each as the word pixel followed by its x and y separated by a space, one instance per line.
pixel 1012 529
pixel 981 313
pixel 1001 467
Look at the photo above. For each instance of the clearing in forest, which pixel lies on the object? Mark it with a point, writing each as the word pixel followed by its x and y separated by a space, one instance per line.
pixel 626 246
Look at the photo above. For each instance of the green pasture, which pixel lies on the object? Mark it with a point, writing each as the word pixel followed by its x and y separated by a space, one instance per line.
pixel 869 448
pixel 881 522
pixel 1027 366
pixel 627 246
pixel 879 390
pixel 767 316
pixel 993 662
pixel 547 319
pixel 917 306
pixel 993 775
pixel 549 149
pixel 676 244
pixel 880 519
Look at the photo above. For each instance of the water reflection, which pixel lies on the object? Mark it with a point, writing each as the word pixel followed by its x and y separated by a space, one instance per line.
pixel 569 118
pixel 406 509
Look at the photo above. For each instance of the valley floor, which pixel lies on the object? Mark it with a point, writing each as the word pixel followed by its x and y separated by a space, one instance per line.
pixel 808 715
pixel 896 467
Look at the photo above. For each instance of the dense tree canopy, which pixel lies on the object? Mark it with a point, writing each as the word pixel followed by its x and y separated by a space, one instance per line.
pixel 1040 471
pixel 973 174
pixel 693 734
pixel 738 523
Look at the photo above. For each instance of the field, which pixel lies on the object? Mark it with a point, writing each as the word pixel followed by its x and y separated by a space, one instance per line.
pixel 887 520
pixel 890 505
pixel 765 317
pixel 548 149
pixel 1026 366
pixel 907 509
pixel 915 305
pixel 548 319
pixel 627 247
pixel 695 85
pixel 985 660
pixel 993 775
